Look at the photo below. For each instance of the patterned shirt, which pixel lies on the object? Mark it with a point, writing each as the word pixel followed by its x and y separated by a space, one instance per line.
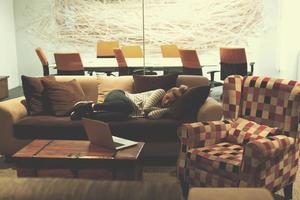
pixel 148 101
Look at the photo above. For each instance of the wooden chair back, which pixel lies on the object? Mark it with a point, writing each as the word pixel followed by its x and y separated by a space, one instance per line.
pixel 133 51
pixel 189 59
pixel 67 63
pixel 40 53
pixel 105 48
pixel 233 55
pixel 120 58
pixel 170 51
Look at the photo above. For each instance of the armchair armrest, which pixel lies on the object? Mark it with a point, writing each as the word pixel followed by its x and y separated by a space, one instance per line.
pixel 198 134
pixel 10 112
pixel 211 110
pixel 201 134
pixel 269 147
pixel 263 159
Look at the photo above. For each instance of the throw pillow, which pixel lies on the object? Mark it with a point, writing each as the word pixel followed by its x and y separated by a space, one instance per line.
pixel 186 107
pixel 244 131
pixel 145 83
pixel 61 96
pixel 33 89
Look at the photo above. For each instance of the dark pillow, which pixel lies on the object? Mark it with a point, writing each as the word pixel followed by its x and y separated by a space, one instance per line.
pixel 33 89
pixel 61 96
pixel 146 83
pixel 187 106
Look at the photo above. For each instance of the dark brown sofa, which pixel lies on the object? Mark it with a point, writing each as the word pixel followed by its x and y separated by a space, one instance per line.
pixel 160 136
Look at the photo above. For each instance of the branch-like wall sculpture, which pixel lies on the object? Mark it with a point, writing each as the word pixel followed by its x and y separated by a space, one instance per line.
pixel 199 24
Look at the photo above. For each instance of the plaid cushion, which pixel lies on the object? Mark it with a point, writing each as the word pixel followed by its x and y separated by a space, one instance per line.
pixel 244 131
pixel 222 158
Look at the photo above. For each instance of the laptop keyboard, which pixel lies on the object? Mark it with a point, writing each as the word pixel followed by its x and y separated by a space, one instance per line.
pixel 118 144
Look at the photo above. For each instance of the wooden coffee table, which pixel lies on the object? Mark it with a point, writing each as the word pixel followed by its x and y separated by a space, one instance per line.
pixel 78 159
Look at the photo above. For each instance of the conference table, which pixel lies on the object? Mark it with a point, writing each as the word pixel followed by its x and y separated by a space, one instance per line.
pixel 109 65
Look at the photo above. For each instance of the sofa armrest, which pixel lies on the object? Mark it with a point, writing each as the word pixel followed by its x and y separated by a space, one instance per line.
pixel 15 108
pixel 268 156
pixel 10 112
pixel 211 110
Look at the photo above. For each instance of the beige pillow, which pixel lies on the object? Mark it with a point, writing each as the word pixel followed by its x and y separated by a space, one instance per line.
pixel 109 83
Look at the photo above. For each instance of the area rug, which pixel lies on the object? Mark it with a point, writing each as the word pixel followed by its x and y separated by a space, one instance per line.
pixel 153 173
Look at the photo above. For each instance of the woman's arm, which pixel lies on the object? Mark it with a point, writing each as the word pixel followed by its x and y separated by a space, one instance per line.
pixel 154 98
pixel 158 113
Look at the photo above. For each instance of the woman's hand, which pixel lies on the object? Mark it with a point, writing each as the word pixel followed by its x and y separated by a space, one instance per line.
pixel 148 110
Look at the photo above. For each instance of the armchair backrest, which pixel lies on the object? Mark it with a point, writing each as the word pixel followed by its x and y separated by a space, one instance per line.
pixel 269 101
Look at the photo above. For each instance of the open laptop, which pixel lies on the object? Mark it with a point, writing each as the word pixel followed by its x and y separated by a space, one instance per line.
pixel 99 133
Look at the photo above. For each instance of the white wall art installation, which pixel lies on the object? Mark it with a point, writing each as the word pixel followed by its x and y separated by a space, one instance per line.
pixel 200 24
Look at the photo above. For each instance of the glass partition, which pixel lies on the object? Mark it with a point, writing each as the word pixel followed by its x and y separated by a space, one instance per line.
pixel 77 25
pixel 201 25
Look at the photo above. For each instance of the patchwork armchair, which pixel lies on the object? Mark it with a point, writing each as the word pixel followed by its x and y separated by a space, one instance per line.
pixel 257 143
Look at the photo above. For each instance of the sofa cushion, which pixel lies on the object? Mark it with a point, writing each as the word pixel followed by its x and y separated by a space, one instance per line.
pixel 192 80
pixel 186 107
pixel 140 129
pixel 223 158
pixel 147 130
pixel 109 83
pixel 244 131
pixel 89 85
pixel 48 127
pixel 33 91
pixel 61 96
pixel 145 83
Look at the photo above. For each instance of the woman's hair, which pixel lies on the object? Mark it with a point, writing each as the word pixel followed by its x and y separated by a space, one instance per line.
pixel 178 91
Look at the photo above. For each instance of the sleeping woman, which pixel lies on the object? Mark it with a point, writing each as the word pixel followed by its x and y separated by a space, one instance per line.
pixel 120 105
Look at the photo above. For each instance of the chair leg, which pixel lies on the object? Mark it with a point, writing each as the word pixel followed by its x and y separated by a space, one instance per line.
pixel 288 191
pixel 185 188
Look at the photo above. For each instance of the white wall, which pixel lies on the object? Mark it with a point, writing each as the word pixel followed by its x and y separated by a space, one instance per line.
pixel 8 54
pixel 266 62
pixel 289 39
pixel 28 63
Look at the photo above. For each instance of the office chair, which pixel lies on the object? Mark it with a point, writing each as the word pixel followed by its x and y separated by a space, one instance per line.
pixel 123 67
pixel 233 61
pixel 190 62
pixel 68 64
pixel 43 60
